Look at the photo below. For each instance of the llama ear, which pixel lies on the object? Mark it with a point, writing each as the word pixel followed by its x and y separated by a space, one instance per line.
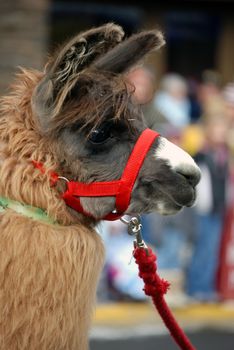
pixel 129 52
pixel 83 49
pixel 65 66
pixel 42 102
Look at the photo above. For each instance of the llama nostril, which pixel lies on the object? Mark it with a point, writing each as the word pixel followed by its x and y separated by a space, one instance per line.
pixel 193 177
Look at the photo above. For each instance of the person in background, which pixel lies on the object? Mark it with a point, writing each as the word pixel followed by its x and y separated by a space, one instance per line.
pixel 210 206
pixel 143 81
pixel 228 96
pixel 209 91
pixel 172 100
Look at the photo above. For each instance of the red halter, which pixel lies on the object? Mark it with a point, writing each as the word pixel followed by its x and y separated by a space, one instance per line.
pixel 122 188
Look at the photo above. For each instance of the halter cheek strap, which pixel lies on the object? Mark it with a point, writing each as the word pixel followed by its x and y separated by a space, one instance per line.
pixel 121 188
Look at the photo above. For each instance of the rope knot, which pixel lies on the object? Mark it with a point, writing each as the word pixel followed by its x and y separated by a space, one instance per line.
pixel 146 261
pixel 156 286
pixel 144 256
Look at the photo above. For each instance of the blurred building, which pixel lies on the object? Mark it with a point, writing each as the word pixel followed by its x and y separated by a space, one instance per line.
pixel 23 36
pixel 199 33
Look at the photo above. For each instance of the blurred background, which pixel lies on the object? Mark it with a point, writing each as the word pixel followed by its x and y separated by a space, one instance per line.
pixel 187 93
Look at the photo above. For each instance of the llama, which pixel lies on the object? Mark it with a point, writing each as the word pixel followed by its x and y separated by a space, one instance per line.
pixel 77 118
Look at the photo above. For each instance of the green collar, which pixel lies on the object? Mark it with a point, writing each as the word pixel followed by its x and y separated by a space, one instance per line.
pixel 26 210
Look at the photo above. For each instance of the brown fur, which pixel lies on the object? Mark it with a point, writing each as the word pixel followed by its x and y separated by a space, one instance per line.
pixel 48 277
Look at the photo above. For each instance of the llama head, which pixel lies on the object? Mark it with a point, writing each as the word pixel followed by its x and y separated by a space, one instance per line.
pixel 83 105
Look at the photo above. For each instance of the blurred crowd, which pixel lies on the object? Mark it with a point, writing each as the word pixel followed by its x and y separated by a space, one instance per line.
pixel 191 246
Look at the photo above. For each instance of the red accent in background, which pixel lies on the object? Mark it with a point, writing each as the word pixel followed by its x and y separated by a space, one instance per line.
pixel 225 281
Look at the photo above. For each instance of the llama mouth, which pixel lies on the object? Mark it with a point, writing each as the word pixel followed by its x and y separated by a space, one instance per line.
pixel 183 199
pixel 187 201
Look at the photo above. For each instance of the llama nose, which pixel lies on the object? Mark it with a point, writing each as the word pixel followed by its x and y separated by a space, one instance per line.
pixel 191 173
pixel 179 161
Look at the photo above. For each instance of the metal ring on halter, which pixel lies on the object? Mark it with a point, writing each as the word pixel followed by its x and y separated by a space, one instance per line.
pixel 63 178
pixel 126 222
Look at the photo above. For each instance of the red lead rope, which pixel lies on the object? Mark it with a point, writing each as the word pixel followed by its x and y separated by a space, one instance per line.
pixel 156 288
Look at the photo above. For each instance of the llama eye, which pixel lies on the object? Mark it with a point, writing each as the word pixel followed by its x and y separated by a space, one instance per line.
pixel 100 135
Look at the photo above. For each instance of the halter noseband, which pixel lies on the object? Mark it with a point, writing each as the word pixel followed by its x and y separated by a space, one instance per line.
pixel 121 188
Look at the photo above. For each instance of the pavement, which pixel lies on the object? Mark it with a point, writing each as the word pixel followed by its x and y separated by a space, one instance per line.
pixel 133 314
pixel 203 340
pixel 136 325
